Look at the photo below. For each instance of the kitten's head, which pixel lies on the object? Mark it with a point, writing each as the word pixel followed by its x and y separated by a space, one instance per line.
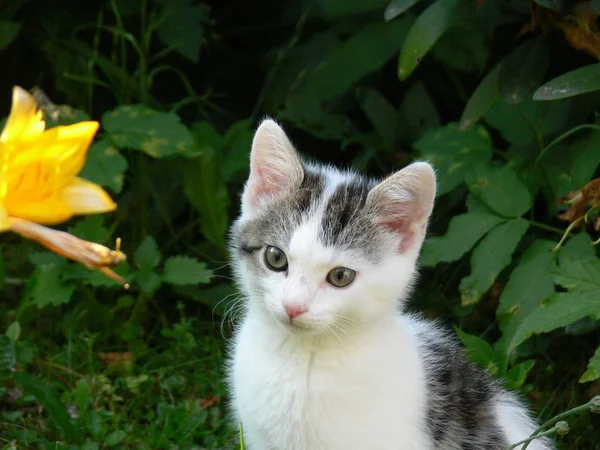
pixel 320 249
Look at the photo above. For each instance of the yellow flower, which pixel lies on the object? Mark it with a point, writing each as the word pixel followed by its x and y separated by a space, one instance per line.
pixel 38 168
pixel 39 184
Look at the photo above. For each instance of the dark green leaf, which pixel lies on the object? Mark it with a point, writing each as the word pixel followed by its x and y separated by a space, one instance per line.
pixel 147 256
pixel 517 374
pixel 156 133
pixel 192 421
pixel 14 331
pixel 463 48
pixel 397 7
pixel 348 7
pixel 479 351
pixel 207 192
pixel 490 257
pixel 234 152
pixel 8 33
pixel 383 116
pixel 419 113
pixel 105 166
pixel 49 288
pixel 90 228
pixel 593 371
pixel 182 27
pixel 529 284
pixel 454 154
pixel 463 233
pixel 482 99
pixel 578 81
pixel 184 270
pixel 114 438
pixel 148 280
pixel 82 395
pixel 580 275
pixel 595 5
pixel 555 5
pixel 424 33
pixel 500 189
pixel 8 357
pixel 50 400
pixel 522 71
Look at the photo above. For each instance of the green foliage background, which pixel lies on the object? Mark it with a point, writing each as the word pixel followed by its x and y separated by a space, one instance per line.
pixel 500 95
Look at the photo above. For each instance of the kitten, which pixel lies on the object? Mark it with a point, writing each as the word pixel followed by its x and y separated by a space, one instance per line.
pixel 324 358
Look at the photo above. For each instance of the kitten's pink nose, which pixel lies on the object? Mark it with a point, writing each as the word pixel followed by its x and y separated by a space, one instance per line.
pixel 294 310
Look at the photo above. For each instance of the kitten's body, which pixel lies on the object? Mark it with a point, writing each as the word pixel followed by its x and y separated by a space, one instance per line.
pixel 348 371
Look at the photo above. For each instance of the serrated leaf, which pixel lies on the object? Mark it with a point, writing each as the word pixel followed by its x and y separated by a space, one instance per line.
pixel 147 256
pixel 593 370
pixel 184 270
pixel 90 228
pixel 490 257
pixel 576 82
pixel 105 165
pixel 49 288
pixel 529 120
pixel 8 357
pixel 382 115
pixel 528 285
pixel 8 32
pixel 158 134
pixel 114 438
pixel 148 280
pixel 482 99
pixel 50 400
pixel 419 113
pixel 454 154
pixel 14 331
pixel 182 27
pixel 427 29
pixel 464 231
pixel 523 70
pixel 500 189
pixel 554 5
pixel 397 7
pixel 207 192
pixel 577 247
pixel 579 275
pixel 558 310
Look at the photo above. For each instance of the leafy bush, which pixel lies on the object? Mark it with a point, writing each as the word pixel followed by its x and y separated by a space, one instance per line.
pixel 499 95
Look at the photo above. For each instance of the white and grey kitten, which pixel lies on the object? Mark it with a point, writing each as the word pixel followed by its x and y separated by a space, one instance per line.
pixel 324 358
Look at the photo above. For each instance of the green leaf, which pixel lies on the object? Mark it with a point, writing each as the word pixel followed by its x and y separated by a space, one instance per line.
pixel 419 113
pixel 148 280
pixel 234 154
pixel 500 189
pixel 8 357
pixel 463 233
pixel 14 331
pixel 181 27
pixel 190 423
pixel 517 374
pixel 528 121
pixel 49 288
pixel 82 395
pixel 454 154
pixel 479 351
pixel 523 70
pixel 579 275
pixel 156 133
pixel 593 371
pixel 382 115
pixel 482 99
pixel 105 166
pixel 529 284
pixel 147 256
pixel 576 82
pixel 555 5
pixel 397 7
pixel 463 48
pixel 490 257
pixel 114 438
pixel 184 270
pixel 558 310
pixel 8 32
pixel 50 400
pixel 207 192
pixel 350 7
pixel 577 247
pixel 427 29
pixel 90 228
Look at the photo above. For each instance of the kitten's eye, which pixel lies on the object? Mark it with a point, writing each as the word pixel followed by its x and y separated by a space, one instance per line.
pixel 275 259
pixel 341 277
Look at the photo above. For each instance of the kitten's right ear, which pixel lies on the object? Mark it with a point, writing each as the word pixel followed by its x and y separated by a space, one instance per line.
pixel 275 166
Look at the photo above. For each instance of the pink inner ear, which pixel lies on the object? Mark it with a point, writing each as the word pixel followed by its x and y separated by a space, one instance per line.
pixel 401 218
pixel 265 181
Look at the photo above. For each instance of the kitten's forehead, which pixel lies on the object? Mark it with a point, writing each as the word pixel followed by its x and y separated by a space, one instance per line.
pixel 332 202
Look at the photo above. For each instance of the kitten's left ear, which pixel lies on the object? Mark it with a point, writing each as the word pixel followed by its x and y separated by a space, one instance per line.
pixel 403 203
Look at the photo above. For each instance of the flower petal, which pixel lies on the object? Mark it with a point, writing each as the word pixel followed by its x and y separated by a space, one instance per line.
pixel 46 211
pixel 25 120
pixel 4 221
pixel 84 197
